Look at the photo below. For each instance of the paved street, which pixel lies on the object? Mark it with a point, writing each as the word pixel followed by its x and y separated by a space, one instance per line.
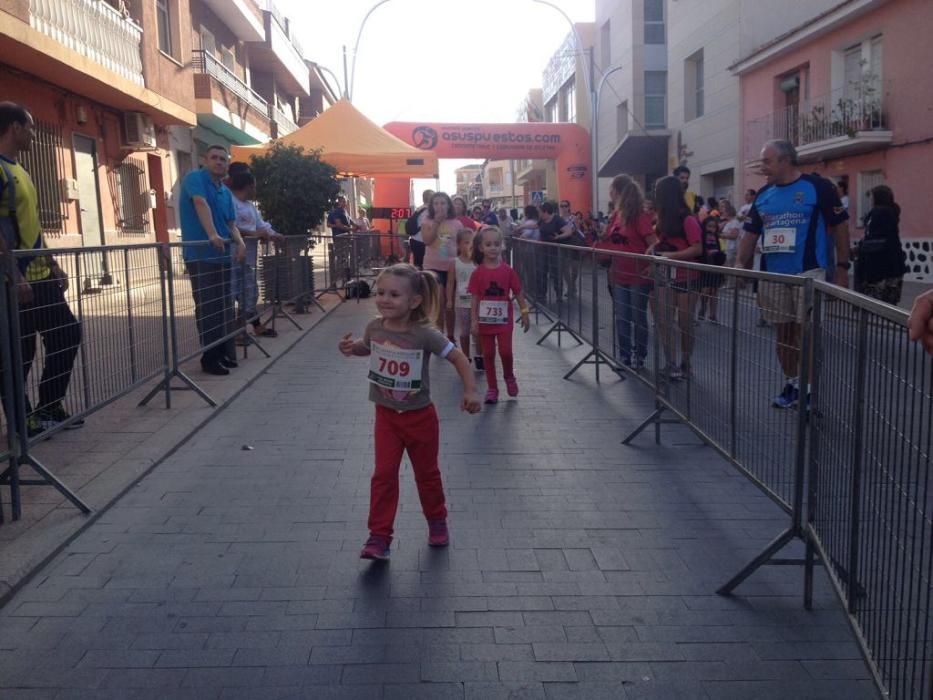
pixel 578 568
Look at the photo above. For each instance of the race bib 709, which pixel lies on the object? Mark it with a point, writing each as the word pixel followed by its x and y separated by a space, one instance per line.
pixel 395 368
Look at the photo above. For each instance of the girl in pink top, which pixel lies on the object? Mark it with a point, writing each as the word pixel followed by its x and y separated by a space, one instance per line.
pixel 439 232
pixel 460 211
pixel 680 239
pixel 493 316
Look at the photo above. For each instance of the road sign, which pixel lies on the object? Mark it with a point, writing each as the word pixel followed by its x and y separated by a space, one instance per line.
pixel 537 198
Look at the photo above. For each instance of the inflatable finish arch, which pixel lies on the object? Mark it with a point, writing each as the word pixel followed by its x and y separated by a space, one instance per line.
pixel 567 144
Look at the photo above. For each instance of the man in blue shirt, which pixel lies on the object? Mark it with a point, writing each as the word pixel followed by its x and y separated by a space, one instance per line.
pixel 801 223
pixel 208 223
pixel 340 225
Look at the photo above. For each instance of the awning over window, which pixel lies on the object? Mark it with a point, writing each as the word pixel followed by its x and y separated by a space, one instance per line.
pixel 637 154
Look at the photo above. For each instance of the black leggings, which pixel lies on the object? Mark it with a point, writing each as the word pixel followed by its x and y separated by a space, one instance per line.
pixel 50 317
pixel 417 252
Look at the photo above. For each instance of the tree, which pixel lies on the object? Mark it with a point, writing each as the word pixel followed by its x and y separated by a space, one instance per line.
pixel 295 188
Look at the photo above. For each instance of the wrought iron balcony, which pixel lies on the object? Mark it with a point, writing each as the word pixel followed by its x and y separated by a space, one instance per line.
pixel 283 122
pixel 205 63
pixel 94 29
pixel 839 123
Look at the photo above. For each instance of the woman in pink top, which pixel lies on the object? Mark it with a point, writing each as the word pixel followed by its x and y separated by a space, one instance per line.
pixel 630 230
pixel 439 232
pixel 460 211
pixel 680 239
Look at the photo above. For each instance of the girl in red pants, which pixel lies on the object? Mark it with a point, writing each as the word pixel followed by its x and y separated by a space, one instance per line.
pixel 399 344
pixel 492 316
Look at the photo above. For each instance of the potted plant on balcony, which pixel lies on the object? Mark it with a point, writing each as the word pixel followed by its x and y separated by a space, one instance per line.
pixel 862 111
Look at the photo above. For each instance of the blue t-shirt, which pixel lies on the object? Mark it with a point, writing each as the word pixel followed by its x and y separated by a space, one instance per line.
pixel 199 184
pixel 338 215
pixel 794 222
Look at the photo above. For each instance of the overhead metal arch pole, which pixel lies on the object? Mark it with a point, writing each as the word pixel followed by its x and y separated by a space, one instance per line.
pixel 595 135
pixel 356 48
pixel 332 75
pixel 594 99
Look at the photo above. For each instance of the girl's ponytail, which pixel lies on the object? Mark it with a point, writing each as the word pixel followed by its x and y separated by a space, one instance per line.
pixel 430 300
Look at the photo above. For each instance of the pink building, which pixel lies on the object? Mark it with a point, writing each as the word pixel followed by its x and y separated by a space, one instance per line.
pixel 853 90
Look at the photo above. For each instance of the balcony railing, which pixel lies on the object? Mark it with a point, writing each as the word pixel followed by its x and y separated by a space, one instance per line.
pixel 94 29
pixel 837 114
pixel 270 7
pixel 283 122
pixel 206 63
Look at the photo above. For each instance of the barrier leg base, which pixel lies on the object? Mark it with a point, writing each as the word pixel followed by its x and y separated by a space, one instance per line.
pixel 597 358
pixel 189 385
pixel 560 327
pixel 279 311
pixel 657 420
pixel 766 557
pixel 47 479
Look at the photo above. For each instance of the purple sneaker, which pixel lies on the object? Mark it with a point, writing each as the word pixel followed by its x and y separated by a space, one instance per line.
pixel 438 536
pixel 376 547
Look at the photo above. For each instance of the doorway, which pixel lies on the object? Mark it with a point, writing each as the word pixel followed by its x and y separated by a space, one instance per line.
pixel 89 211
pixel 92 230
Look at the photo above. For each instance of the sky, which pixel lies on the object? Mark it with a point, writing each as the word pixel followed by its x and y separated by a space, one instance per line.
pixel 437 60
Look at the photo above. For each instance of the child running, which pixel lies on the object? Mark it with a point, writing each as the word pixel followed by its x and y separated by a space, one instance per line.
pixel 492 313
pixel 458 294
pixel 400 344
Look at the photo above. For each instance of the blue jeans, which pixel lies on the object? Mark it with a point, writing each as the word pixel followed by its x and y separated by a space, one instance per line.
pixel 631 309
pixel 244 290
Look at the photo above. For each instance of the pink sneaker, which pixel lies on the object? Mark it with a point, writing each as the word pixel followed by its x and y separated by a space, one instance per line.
pixel 376 547
pixel 511 386
pixel 438 536
pixel 492 396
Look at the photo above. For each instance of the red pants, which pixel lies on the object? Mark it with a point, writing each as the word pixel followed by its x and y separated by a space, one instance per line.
pixel 489 357
pixel 417 432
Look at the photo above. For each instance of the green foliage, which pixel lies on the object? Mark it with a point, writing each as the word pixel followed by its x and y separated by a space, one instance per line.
pixel 294 187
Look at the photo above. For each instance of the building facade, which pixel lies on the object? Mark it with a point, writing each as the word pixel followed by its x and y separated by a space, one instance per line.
pixel 703 106
pixel 499 184
pixel 633 135
pixel 532 174
pixel 470 182
pixel 105 98
pixel 850 88
pixel 564 98
pixel 128 95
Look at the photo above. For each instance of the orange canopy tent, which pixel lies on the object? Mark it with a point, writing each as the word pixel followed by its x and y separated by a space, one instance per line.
pixel 354 145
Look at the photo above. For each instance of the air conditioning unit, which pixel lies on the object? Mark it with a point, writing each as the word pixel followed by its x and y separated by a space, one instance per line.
pixel 140 133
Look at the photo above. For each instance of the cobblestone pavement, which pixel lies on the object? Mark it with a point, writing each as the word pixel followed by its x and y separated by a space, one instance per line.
pixel 578 568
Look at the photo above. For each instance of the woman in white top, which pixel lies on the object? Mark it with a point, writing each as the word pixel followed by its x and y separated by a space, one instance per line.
pixel 528 228
pixel 439 232
pixel 458 296
pixel 730 232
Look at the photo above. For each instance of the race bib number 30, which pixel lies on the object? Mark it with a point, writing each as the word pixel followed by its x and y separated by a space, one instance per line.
pixel 395 368
pixel 779 240
pixel 494 312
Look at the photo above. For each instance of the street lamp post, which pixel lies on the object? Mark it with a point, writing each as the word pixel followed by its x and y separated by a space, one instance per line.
pixel 594 99
pixel 356 47
pixel 595 134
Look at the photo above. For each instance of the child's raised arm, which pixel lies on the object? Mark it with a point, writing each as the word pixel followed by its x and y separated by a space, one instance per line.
pixel 350 347
pixel 470 403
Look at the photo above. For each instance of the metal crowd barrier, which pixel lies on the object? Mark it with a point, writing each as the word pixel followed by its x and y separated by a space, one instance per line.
pixel 125 317
pixel 851 466
pixel 870 504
